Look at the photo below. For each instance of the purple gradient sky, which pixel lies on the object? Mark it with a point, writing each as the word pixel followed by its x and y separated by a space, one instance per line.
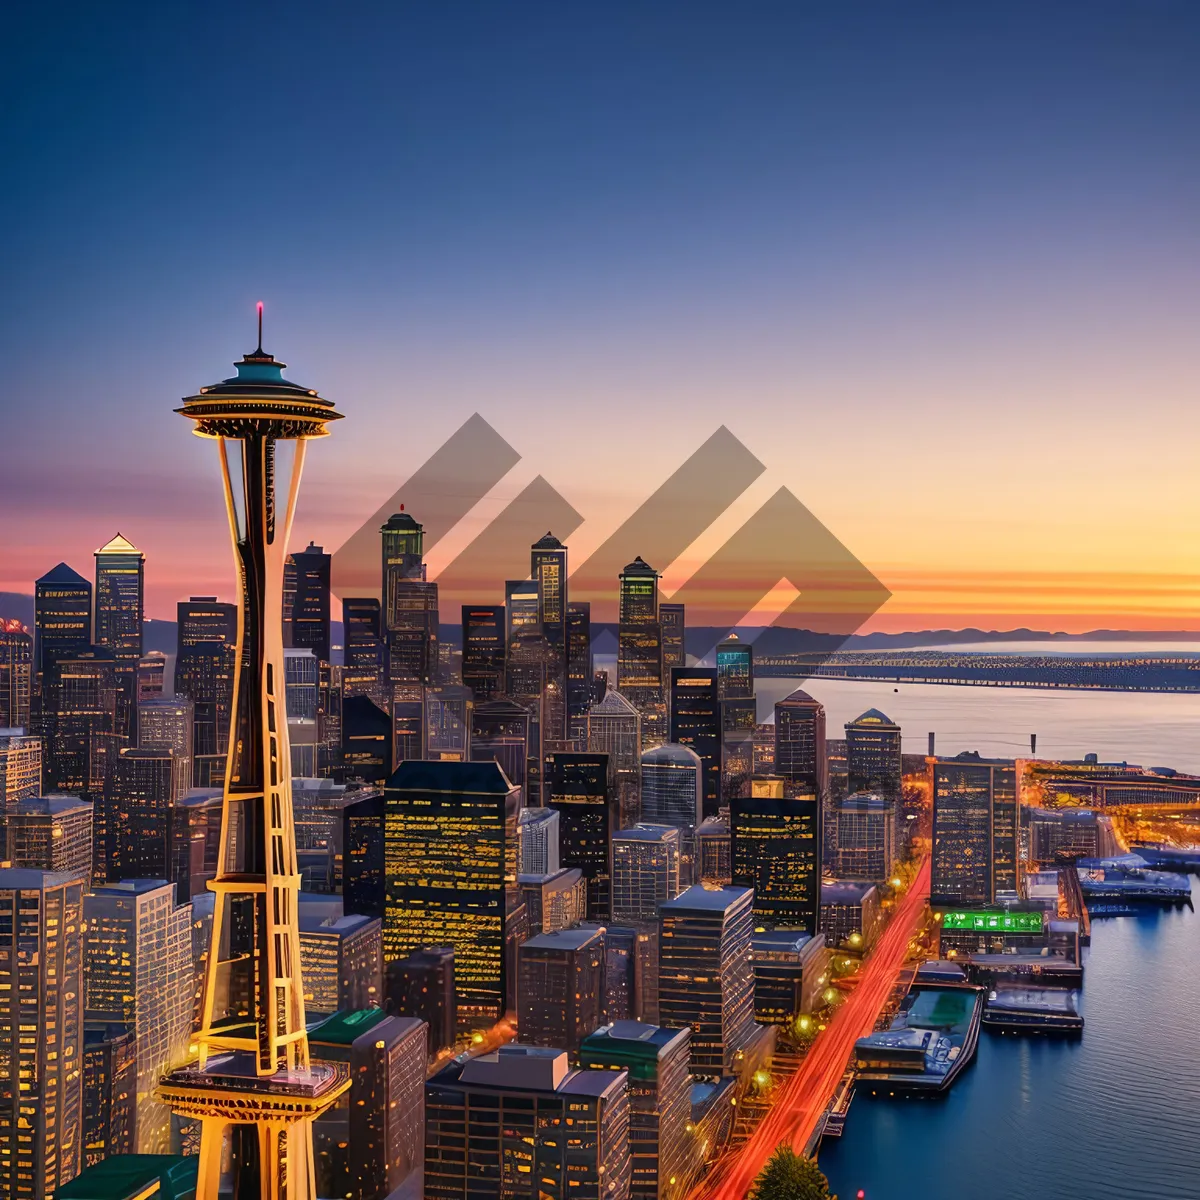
pixel 935 265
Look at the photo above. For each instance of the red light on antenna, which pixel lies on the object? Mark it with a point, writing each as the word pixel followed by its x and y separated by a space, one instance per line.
pixel 861 1194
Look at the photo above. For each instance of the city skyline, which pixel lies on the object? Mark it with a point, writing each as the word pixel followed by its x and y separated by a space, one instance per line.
pixel 798 227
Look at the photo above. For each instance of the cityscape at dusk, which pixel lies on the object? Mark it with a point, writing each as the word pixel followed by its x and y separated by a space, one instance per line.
pixel 669 668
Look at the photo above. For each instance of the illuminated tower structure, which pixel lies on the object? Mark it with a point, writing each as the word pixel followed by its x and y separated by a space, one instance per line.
pixel 252 1078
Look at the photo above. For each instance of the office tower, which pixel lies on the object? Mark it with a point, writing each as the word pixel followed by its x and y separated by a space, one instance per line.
pixel 450 832
pixel 849 908
pixel 548 570
pixel 764 748
pixel 535 680
pixel 522 608
pixel 253 999
pixel 645 871
pixel 204 668
pixel 975 833
pixel 410 602
pixel 41 1031
pixel 538 830
pixel 484 649
pixel 366 740
pixel 735 668
pixel 306 601
pixel 553 901
pixel 341 962
pixel 577 788
pixel 363 888
pixel 671 619
pixel 580 664
pixel 301 674
pixel 120 587
pixel 837 768
pixel 704 974
pixel 138 972
pixel 364 655
pixel 776 850
pixel 16 674
pixel 714 852
pixel 672 786
pixel 614 727
pixel 639 648
pixel 168 723
pixel 52 833
pixel 494 1126
pixel 62 616
pixel 408 721
pixel 501 732
pixel 20 773
pixel 660 1105
pixel 866 837
pixel 151 676
pixel 422 985
pixel 696 723
pixel 448 711
pixel 80 702
pixel 109 1090
pixel 873 762
pixel 790 970
pixel 738 721
pixel 329 718
pixel 134 834
pixel 800 744
pixel 560 987
pixel 195 842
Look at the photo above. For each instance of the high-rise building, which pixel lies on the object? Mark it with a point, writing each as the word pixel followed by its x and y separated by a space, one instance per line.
pixel 866 837
pixel 341 961
pixel 52 833
pixel 975 829
pixel 522 608
pixel 696 723
pixel 366 740
pixel 138 959
pixel 501 733
pixel 20 772
pixel 484 649
pixel 713 852
pixel 660 1106
pixel 306 601
pixel 800 745
pixel 790 970
pixel 252 1078
pixel 554 901
pixel 120 587
pixel 41 1031
pixel 548 570
pixel 735 668
pixel 645 872
pixel 302 683
pixel 422 985
pixel 873 760
pixel 195 842
pixel 671 618
pixel 16 674
pixel 80 706
pixel 776 851
pixel 705 979
pixel 364 654
pixel 450 850
pixel 494 1126
pixel 614 727
pixel 673 794
pixel 151 676
pixel 538 830
pixel 169 723
pixel 138 813
pixel 580 664
pixel 62 615
pixel 560 987
pixel 363 889
pixel 204 669
pixel 578 789
pixel 639 645
pixel 410 602
pixel 448 711
pixel 109 1090
pixel 849 912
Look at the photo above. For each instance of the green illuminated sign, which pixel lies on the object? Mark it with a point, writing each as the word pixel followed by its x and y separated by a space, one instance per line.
pixel 999 921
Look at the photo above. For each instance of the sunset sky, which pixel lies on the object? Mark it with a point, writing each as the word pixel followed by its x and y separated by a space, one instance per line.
pixel 934 265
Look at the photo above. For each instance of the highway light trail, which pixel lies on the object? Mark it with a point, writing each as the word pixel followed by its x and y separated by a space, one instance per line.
pixel 794 1115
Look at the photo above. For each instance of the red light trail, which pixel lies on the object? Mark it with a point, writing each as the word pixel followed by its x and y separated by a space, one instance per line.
pixel 795 1114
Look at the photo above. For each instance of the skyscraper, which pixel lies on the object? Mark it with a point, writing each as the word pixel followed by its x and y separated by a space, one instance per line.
pixel 866 838
pixel 873 761
pixel 342 962
pixel 671 618
pixel 735 668
pixel 80 703
pixel 660 1102
pixel 169 723
pixel 639 641
pixel 120 587
pixel 422 985
pixel 410 602
pixel 364 653
pixel 645 872
pixel 41 1031
pixel 138 960
pixel 540 838
pixel 16 674
pixel 614 727
pixel 704 978
pixel 553 901
pixel 560 987
pixel 800 744
pixel 109 1090
pixel 577 788
pixel 501 733
pixel 138 811
pixel 450 861
pixel 776 851
pixel 62 615
pixel 494 1126
pixel 366 740
pixel 253 1046
pixel 363 888
pixel 522 608
pixel 580 665
pixel 696 723
pixel 306 601
pixel 204 669
pixel 52 833
pixel 484 649
pixel 20 772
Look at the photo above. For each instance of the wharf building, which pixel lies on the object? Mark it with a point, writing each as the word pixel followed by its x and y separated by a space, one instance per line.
pixel 1058 833
pixel 561 987
pixel 41 1031
pixel 705 978
pixel 520 1123
pixel 656 1061
pixel 450 861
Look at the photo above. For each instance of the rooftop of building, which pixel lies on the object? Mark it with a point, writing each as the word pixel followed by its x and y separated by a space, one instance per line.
pixel 701 899
pixel 401 522
pixel 798 699
pixel 548 542
pixel 201 798
pixel 474 778
pixel 639 566
pixel 873 717
pixel 865 802
pixel 671 754
pixel 311 921
pixel 612 705
pixel 130 887
pixel 63 574
pixel 714 826
pixel 845 891
pixel 119 545
pixel 635 1033
pixel 785 941
pixel 535 815
pixel 561 880
pixel 53 806
pixel 132 1176
pixel 346 1026
pixel 645 831
pixel 572 939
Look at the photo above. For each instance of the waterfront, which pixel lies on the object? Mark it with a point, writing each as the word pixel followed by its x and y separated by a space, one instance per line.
pixel 1116 1112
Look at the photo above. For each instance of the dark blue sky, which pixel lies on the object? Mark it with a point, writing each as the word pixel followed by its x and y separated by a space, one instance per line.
pixel 807 219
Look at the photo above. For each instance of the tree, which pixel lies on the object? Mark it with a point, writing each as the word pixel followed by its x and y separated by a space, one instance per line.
pixel 791 1176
